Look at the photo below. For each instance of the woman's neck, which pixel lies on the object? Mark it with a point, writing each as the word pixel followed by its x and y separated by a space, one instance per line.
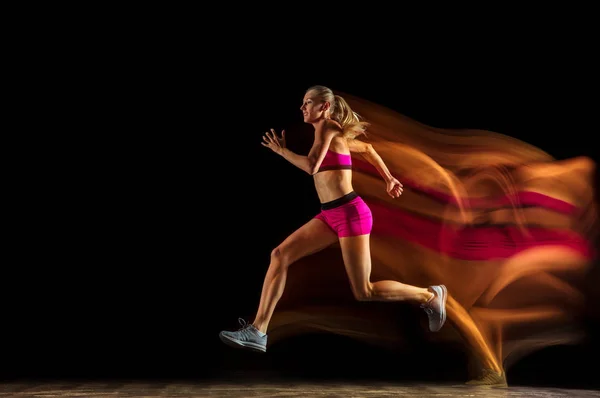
pixel 319 124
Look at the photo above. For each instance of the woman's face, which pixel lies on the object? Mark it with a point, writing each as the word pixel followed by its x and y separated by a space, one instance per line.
pixel 312 108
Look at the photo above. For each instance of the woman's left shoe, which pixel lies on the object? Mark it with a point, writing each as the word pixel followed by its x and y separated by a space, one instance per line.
pixel 247 337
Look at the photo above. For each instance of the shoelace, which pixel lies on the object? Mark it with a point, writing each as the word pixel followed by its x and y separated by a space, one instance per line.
pixel 245 331
pixel 245 325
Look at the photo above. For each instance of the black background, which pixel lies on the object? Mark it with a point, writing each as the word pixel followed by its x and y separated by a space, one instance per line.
pixel 148 208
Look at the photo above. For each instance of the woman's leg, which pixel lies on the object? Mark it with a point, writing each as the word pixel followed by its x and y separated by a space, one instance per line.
pixel 356 252
pixel 308 239
pixel 312 237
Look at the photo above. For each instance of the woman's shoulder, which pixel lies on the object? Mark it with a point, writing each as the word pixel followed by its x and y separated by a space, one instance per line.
pixel 339 143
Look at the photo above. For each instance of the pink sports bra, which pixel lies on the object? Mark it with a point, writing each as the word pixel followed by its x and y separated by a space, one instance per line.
pixel 335 161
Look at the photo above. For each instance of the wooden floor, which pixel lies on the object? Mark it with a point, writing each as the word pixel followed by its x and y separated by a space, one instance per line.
pixel 280 389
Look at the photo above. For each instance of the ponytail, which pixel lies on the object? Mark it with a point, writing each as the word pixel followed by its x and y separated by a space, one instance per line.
pixel 350 120
pixel 340 111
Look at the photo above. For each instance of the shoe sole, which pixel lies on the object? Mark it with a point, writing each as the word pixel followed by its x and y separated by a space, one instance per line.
pixel 443 307
pixel 242 344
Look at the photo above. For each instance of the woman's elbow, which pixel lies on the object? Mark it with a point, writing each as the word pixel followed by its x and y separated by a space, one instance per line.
pixel 312 168
pixel 368 152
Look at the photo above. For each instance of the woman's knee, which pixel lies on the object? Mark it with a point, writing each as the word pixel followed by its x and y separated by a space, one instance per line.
pixel 280 257
pixel 363 293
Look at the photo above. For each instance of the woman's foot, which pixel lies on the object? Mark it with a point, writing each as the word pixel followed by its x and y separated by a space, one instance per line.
pixel 247 337
pixel 435 308
pixel 489 377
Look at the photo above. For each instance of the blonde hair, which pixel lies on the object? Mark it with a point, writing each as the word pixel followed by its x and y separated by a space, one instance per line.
pixel 341 112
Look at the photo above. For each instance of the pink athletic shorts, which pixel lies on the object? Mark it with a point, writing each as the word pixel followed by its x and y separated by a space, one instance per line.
pixel 347 216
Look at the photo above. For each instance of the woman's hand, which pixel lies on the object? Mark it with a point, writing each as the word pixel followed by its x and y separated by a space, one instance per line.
pixel 273 142
pixel 394 188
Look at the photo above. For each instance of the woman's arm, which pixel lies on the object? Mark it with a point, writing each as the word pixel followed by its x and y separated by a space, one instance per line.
pixel 310 163
pixel 300 161
pixel 366 150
